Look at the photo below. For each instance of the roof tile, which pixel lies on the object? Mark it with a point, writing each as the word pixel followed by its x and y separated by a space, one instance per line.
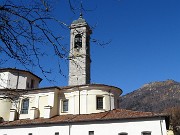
pixel 108 115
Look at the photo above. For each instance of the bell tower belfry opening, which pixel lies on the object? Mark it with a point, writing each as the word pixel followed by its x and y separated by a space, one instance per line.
pixel 79 56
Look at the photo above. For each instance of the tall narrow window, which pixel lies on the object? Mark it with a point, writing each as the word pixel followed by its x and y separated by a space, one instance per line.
pixel 99 103
pixel 146 133
pixel 65 105
pixel 25 106
pixel 91 132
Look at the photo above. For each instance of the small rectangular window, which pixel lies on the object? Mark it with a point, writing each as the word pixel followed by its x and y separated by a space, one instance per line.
pixel 91 132
pixel 25 106
pixel 146 133
pixel 123 133
pixel 29 133
pixel 56 133
pixel 99 103
pixel 65 105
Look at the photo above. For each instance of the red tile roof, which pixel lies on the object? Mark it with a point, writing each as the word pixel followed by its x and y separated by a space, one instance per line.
pixel 116 114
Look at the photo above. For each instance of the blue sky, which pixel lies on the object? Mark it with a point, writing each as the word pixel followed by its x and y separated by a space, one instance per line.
pixel 145 41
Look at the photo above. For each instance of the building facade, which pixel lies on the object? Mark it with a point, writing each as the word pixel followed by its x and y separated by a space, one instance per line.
pixel 80 108
pixel 114 122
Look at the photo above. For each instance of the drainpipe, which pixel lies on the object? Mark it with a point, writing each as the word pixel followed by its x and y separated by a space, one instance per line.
pixel 69 129
pixel 161 126
pixel 69 126
pixel 79 102
pixel 17 105
pixel 79 98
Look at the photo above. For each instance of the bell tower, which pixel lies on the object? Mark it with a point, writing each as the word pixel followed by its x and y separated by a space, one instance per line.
pixel 79 56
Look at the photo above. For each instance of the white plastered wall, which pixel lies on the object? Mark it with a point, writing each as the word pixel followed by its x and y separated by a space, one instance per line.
pixel 87 101
pixel 3 80
pixel 40 100
pixel 17 79
pixel 132 127
pixel 5 106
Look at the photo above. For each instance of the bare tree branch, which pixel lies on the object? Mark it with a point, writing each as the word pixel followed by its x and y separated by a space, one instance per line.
pixel 25 32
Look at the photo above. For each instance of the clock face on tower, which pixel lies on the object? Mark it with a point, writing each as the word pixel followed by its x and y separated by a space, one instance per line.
pixel 78 41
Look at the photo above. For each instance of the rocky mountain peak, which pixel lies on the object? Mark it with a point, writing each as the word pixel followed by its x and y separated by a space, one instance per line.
pixel 154 96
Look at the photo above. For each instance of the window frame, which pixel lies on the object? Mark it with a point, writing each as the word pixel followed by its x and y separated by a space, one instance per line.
pixel 63 107
pixel 25 106
pixel 56 133
pixel 91 133
pixel 122 133
pixel 146 132
pixel 99 104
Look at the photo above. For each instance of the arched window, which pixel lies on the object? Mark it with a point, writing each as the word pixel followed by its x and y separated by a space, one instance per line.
pixel 78 41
